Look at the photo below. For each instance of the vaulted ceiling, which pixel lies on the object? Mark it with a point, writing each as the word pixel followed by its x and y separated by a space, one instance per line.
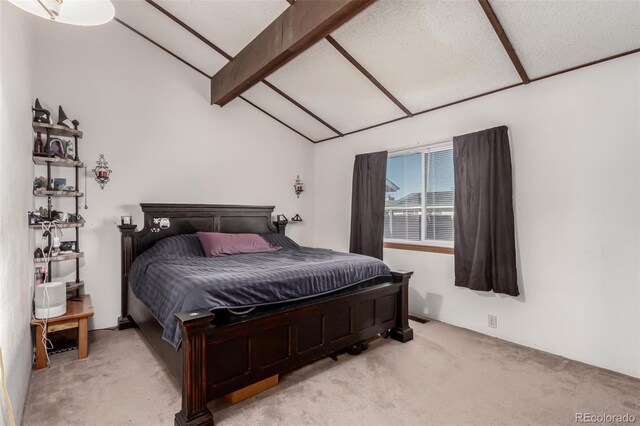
pixel 395 59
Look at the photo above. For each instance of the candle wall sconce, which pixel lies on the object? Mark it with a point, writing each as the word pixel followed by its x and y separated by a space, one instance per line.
pixel 102 171
pixel 298 187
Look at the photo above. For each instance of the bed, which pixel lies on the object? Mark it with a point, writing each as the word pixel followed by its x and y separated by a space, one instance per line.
pixel 325 301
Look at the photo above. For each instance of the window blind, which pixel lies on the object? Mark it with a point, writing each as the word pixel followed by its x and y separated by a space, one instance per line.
pixel 419 196
pixel 439 195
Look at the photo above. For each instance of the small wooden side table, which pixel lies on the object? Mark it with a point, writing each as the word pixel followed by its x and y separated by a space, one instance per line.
pixel 78 312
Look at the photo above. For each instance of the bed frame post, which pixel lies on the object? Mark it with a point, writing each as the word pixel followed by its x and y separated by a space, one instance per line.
pixel 126 248
pixel 402 332
pixel 280 225
pixel 194 326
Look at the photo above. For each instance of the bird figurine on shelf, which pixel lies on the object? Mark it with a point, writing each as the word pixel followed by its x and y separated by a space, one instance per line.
pixel 40 115
pixel 65 121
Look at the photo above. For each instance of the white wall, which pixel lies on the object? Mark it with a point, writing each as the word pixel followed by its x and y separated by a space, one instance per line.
pixel 150 116
pixel 15 200
pixel 575 151
pixel 576 160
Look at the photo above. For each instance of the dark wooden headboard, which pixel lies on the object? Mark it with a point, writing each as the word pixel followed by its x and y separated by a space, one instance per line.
pixel 166 220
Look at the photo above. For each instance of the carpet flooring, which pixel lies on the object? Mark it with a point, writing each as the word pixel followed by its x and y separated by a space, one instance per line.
pixel 446 375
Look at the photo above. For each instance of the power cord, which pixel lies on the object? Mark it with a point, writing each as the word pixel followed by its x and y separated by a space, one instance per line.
pixel 46 228
pixel 12 421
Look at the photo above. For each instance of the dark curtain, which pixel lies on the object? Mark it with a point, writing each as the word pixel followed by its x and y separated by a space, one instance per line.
pixel 484 242
pixel 367 204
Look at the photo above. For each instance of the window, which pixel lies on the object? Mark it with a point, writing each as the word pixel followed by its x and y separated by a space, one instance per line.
pixel 419 196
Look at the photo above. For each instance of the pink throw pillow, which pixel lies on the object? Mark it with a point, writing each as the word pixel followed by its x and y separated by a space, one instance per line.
pixel 217 244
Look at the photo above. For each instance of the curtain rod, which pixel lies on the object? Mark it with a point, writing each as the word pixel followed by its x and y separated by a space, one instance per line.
pixel 420 145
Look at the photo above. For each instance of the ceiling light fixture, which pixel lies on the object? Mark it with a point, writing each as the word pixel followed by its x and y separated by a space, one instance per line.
pixel 75 12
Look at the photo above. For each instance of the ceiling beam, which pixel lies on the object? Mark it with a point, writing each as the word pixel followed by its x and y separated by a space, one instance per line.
pixel 588 64
pixel 367 74
pixel 364 72
pixel 424 111
pixel 497 27
pixel 299 27
pixel 229 58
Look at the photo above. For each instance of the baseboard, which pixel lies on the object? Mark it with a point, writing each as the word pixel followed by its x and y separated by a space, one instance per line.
pixel 418 318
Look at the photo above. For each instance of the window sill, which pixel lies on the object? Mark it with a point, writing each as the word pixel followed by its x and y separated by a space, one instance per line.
pixel 419 247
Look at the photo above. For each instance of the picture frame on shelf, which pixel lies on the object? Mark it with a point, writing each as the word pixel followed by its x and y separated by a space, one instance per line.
pixel 59 184
pixel 70 150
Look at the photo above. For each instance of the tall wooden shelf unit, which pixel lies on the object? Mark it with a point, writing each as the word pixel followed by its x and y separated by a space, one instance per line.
pixel 51 130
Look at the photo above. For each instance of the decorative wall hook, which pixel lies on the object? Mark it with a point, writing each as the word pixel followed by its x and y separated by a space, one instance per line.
pixel 102 171
pixel 298 187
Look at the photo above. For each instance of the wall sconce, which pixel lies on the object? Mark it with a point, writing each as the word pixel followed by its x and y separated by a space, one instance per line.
pixel 298 187
pixel 102 171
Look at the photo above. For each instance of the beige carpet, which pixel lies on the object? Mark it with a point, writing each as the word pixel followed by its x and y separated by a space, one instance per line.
pixel 446 375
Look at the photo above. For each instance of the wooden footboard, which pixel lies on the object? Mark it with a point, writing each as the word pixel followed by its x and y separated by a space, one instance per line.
pixel 217 360
pixel 220 356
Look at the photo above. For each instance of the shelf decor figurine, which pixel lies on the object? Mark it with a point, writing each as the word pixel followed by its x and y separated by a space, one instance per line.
pixel 55 148
pixel 40 183
pixel 38 145
pixel 40 115
pixel 65 121
pixel 102 171
pixel 70 151
pixel 298 187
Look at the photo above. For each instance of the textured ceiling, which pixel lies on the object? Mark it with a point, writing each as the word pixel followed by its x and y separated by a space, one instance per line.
pixel 425 53
pixel 284 110
pixel 446 50
pixel 231 25
pixel 550 36
pixel 155 25
pixel 325 82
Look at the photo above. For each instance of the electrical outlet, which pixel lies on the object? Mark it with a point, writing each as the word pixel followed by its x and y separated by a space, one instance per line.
pixel 492 321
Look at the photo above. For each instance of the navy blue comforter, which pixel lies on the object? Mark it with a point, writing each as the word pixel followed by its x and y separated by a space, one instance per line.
pixel 175 276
